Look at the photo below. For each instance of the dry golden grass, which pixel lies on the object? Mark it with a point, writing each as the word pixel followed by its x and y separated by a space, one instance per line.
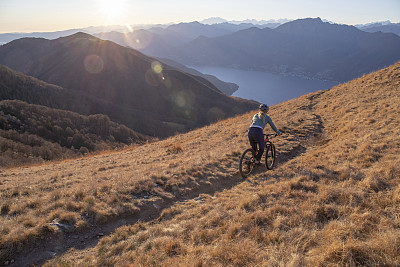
pixel 333 200
pixel 99 188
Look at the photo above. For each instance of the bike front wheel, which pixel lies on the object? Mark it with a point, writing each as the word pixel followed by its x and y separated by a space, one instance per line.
pixel 246 163
pixel 270 154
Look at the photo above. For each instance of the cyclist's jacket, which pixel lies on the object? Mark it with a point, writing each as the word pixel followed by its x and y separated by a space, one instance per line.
pixel 259 123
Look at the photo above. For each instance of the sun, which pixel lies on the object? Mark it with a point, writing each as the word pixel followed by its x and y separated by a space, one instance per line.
pixel 113 10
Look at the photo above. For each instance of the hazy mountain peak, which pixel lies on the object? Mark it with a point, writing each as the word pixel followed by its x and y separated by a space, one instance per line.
pixel 311 25
pixel 218 20
pixel 300 26
pixel 306 21
pixel 214 20
pixel 78 35
pixel 372 24
pixel 386 27
pixel 188 23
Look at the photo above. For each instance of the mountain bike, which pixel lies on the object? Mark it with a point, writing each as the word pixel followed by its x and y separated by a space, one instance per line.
pixel 247 160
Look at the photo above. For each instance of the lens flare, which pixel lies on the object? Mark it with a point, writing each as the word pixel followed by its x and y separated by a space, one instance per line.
pixel 156 67
pixel 93 64
pixel 180 101
pixel 129 27
pixel 183 99
pixel 215 114
pixel 166 81
pixel 139 39
pixel 183 103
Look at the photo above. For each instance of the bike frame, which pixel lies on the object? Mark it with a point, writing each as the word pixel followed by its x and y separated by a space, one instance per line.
pixel 246 163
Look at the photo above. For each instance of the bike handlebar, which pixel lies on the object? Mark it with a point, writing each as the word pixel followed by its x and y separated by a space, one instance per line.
pixel 274 135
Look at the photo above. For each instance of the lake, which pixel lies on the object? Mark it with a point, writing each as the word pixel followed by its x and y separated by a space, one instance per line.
pixel 266 87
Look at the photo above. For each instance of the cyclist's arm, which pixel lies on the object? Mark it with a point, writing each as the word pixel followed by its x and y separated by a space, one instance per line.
pixel 269 120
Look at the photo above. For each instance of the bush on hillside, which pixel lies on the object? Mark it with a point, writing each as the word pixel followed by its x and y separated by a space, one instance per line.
pixel 34 133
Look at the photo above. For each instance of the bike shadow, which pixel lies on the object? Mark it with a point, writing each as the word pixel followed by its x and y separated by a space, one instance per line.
pixel 280 159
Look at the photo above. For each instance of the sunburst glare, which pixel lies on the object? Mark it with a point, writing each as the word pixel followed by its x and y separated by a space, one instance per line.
pixel 113 10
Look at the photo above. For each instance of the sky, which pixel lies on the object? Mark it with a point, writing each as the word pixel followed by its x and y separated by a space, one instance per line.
pixel 55 15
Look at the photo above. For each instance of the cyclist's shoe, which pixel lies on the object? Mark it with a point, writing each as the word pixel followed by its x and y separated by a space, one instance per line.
pixel 257 163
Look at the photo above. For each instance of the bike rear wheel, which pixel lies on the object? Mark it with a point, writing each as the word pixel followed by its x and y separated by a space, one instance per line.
pixel 270 154
pixel 246 163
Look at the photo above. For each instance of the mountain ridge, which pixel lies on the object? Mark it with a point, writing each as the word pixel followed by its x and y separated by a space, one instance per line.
pixel 387 27
pixel 41 122
pixel 340 54
pixel 144 40
pixel 137 90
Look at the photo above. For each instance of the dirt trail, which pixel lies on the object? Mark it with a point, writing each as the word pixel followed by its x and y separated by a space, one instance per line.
pixel 151 209
pixel 59 243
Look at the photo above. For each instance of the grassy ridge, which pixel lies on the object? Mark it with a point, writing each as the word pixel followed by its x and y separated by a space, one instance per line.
pixel 333 199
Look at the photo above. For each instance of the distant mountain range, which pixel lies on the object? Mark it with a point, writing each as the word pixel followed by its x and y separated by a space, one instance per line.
pixel 129 87
pixel 146 40
pixel 308 50
pixel 306 47
pixel 8 37
pixel 154 28
pixel 263 23
pixel 231 26
pixel 387 27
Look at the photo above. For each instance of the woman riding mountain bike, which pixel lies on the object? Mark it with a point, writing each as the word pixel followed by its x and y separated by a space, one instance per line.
pixel 255 133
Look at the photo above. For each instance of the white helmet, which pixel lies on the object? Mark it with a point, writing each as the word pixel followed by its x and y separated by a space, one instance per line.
pixel 264 108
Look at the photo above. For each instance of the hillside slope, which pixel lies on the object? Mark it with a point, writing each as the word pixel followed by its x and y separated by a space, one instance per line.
pixel 31 134
pixel 333 199
pixel 225 87
pixel 147 41
pixel 122 83
pixel 45 130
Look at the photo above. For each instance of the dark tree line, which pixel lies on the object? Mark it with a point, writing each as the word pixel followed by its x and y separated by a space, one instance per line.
pixel 33 133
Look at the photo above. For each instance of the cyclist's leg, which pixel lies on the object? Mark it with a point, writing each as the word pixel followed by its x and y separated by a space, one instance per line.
pixel 257 137
pixel 252 139
pixel 261 147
